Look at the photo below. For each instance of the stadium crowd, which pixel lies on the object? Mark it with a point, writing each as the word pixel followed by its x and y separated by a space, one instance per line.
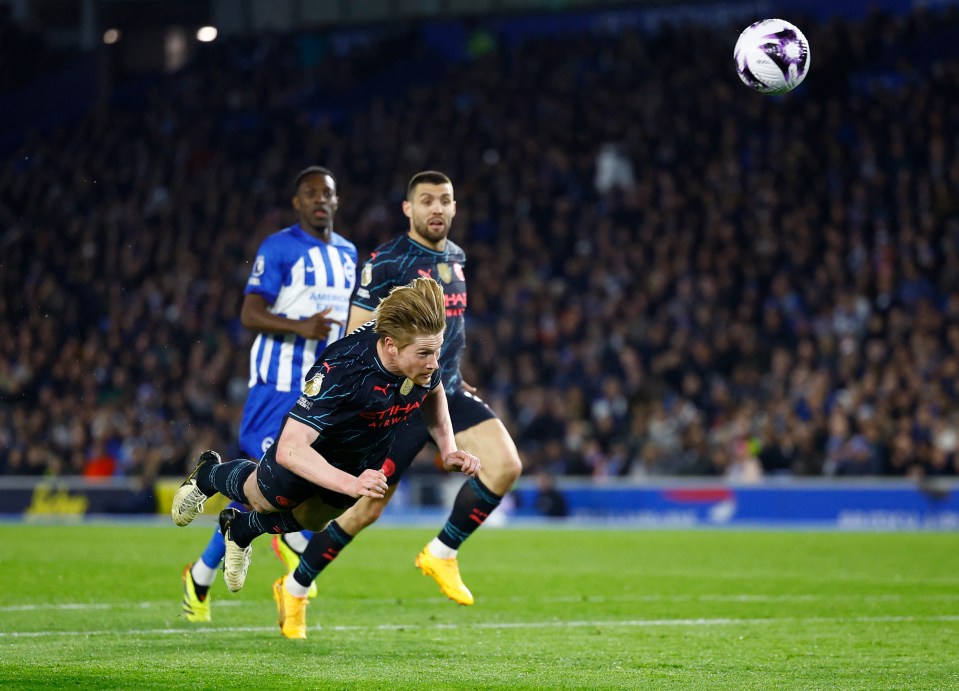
pixel 668 274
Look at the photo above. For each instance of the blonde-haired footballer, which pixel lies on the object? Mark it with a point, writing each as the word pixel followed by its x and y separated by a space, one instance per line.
pixel 425 250
pixel 336 443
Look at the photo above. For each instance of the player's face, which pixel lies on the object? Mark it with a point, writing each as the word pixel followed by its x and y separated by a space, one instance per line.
pixel 420 359
pixel 316 202
pixel 430 210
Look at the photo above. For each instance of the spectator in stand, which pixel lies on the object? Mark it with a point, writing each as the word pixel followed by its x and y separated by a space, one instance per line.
pixel 549 501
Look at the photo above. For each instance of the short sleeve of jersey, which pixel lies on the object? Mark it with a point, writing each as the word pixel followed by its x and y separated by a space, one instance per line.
pixel 347 247
pixel 266 277
pixel 376 280
pixel 331 401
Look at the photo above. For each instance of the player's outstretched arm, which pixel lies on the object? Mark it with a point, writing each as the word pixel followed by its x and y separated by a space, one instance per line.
pixel 293 452
pixel 436 415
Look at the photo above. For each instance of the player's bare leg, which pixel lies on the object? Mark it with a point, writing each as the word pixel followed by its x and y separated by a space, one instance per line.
pixel 490 442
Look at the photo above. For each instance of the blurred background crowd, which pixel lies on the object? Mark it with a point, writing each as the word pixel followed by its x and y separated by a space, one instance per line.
pixel 668 274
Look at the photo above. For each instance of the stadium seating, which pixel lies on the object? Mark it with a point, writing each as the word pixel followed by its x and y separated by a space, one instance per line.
pixel 761 286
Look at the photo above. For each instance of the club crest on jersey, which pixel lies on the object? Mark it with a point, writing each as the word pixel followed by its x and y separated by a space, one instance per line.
pixel 259 266
pixel 349 267
pixel 445 272
pixel 407 386
pixel 367 274
pixel 458 270
pixel 312 387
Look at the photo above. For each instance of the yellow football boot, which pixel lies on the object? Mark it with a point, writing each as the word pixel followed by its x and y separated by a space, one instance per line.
pixel 290 560
pixel 446 572
pixel 194 609
pixel 291 610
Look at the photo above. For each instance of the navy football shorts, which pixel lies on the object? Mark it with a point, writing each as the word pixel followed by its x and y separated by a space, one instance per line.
pixel 286 490
pixel 466 411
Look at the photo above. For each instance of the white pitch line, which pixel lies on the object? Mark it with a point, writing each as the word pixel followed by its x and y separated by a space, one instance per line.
pixel 69 606
pixel 555 624
pixel 568 599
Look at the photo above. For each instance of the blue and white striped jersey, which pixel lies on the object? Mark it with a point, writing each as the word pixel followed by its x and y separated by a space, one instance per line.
pixel 299 275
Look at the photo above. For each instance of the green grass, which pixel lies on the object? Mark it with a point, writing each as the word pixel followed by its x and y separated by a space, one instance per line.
pixel 96 606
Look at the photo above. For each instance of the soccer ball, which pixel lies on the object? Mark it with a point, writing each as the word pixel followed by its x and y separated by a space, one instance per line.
pixel 772 56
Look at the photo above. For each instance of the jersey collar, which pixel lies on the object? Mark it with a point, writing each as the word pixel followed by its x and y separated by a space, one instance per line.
pixel 298 229
pixel 428 250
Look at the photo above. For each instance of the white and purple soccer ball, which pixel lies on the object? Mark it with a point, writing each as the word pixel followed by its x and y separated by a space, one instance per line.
pixel 772 56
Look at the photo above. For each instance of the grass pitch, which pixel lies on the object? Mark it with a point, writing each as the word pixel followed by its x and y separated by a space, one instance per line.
pixel 97 606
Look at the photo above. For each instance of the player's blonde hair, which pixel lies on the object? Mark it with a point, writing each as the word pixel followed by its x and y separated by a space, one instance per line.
pixel 416 309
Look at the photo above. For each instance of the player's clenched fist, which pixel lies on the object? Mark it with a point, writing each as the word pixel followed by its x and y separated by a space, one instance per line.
pixel 370 483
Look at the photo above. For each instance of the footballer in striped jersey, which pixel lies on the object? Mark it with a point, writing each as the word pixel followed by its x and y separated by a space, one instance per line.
pixel 296 299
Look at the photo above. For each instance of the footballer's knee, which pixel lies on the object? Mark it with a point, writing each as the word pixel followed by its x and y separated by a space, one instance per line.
pixel 511 467
pixel 499 459
pixel 369 512
pixel 500 472
pixel 364 513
